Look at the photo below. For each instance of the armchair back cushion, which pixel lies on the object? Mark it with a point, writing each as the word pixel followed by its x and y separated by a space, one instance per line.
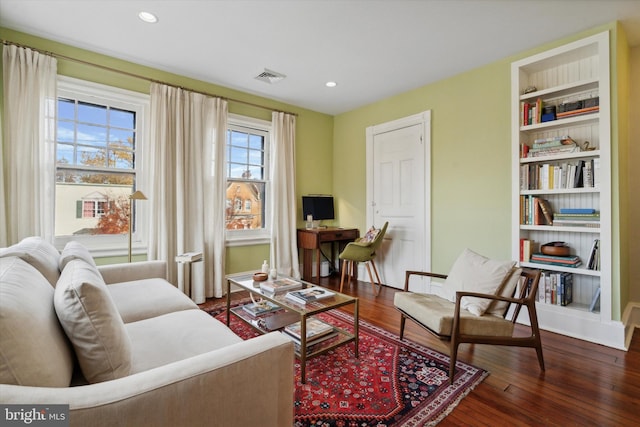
pixel 34 350
pixel 473 272
pixel 92 323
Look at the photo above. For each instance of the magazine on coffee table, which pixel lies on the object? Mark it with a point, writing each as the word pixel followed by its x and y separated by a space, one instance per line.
pixel 313 293
pixel 315 328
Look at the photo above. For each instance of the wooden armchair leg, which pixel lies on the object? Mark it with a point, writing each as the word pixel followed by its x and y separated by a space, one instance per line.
pixel 453 359
pixel 402 322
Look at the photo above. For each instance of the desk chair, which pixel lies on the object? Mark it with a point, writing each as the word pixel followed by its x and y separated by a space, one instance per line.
pixel 363 250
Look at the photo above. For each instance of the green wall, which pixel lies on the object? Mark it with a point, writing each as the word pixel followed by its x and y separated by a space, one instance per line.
pixel 313 131
pixel 470 159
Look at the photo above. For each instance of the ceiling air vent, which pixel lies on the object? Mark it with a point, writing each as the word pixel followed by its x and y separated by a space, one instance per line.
pixel 270 77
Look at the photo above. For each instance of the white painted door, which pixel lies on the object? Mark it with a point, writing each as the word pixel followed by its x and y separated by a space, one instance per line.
pixel 398 191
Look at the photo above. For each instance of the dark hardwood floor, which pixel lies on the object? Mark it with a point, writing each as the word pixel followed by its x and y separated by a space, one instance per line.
pixel 584 384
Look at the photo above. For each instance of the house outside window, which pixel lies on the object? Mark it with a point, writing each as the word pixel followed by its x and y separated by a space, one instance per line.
pixel 98 135
pixel 247 213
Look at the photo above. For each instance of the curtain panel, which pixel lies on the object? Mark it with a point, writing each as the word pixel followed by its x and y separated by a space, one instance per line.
pixel 284 244
pixel 27 165
pixel 187 177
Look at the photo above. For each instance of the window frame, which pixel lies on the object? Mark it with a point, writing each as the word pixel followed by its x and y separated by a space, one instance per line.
pixel 263 235
pixel 95 93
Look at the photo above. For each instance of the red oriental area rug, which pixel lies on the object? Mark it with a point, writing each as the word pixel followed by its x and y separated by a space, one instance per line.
pixel 392 383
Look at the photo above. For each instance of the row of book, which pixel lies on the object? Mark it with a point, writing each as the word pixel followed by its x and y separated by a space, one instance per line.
pixel 548 176
pixel 535 112
pixel 543 147
pixel 537 211
pixel 555 288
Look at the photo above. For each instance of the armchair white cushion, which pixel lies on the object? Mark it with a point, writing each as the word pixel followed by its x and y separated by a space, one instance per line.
pixel 473 272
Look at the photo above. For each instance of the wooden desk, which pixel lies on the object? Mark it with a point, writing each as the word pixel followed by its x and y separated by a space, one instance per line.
pixel 310 239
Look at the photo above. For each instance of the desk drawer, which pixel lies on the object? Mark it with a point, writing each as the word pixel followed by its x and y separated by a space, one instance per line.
pixel 334 235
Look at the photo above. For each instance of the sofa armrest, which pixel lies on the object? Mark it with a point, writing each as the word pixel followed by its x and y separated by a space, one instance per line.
pixel 126 272
pixel 248 383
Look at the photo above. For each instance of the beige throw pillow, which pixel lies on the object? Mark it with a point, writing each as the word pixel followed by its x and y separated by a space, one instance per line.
pixel 75 250
pixel 92 323
pixel 473 272
pixel 34 350
pixel 507 289
pixel 39 253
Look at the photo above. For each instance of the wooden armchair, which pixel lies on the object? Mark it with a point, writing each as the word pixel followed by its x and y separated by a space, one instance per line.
pixel 450 321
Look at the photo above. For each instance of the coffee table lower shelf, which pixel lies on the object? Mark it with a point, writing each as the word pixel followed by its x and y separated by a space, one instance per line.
pixel 277 320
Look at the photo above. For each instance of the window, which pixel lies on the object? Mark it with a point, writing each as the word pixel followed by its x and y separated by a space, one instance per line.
pixel 247 178
pixel 98 135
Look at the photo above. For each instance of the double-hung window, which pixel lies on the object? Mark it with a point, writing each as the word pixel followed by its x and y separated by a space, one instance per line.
pixel 98 137
pixel 248 188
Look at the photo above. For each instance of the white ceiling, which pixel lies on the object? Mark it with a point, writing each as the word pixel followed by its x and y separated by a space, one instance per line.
pixel 372 48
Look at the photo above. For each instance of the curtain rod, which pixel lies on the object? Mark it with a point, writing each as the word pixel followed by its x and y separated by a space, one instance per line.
pixel 138 76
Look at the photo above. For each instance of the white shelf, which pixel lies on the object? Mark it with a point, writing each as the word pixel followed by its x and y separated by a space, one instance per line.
pixel 539 266
pixel 561 123
pixel 566 229
pixel 560 157
pixel 562 90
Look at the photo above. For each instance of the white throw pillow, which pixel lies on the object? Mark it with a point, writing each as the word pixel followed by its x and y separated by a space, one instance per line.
pixel 473 272
pixel 91 321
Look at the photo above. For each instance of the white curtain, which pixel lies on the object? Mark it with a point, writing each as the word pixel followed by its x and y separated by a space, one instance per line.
pixel 284 245
pixel 27 164
pixel 187 194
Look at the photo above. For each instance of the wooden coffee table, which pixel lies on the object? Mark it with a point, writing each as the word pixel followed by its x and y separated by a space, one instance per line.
pixel 292 312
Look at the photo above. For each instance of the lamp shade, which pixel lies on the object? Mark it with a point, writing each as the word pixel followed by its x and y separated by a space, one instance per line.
pixel 138 195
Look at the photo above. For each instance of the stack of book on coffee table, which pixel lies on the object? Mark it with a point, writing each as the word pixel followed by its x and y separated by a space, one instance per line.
pixel 317 332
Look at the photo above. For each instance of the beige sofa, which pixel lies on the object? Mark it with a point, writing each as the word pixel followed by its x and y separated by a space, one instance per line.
pixel 122 346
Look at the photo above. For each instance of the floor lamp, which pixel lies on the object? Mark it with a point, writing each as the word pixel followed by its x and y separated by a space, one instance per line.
pixel 138 195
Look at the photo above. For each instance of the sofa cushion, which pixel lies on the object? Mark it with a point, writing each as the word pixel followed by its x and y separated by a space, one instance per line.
pixel 75 250
pixel 142 299
pixel 176 336
pixel 473 272
pixel 92 323
pixel 34 350
pixel 39 253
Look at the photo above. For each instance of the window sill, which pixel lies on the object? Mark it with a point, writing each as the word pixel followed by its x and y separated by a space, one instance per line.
pixel 248 241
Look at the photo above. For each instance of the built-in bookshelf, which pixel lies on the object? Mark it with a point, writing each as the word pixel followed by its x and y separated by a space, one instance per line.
pixel 561 159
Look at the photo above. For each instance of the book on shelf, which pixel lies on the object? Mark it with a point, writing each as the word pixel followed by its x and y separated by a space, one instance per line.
pixel 595 300
pixel 593 262
pixel 189 257
pixel 313 293
pixel 525 250
pixel 279 285
pixel 563 261
pixel 587 211
pixel 315 328
pixel 257 309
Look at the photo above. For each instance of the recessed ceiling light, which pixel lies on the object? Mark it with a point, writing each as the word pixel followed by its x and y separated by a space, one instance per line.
pixel 148 17
pixel 331 84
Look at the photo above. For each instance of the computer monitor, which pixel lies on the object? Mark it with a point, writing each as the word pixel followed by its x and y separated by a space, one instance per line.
pixel 318 206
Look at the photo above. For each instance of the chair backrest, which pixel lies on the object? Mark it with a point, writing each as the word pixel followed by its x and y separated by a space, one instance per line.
pixel 377 241
pixel 528 292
